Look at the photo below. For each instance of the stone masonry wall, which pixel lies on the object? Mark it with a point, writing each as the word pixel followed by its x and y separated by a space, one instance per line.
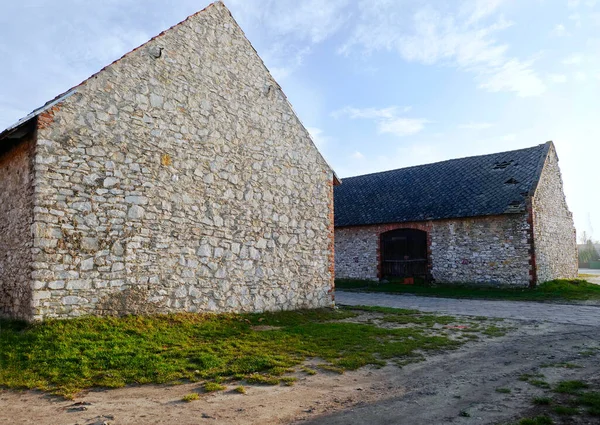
pixel 16 218
pixel 180 179
pixel 555 240
pixel 491 250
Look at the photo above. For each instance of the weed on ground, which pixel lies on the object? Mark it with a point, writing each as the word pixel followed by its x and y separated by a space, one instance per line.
pixel 572 402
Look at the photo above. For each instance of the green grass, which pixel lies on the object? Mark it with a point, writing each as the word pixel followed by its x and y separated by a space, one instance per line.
pixel 592 401
pixel 570 290
pixel 566 410
pixel 240 389
pixel 562 365
pixel 539 383
pixel 288 380
pixel 570 387
pixel 188 398
pixel 571 399
pixel 309 371
pixel 66 356
pixel 495 331
pixel 211 387
pixel 503 390
pixel 542 401
pixel 538 420
pixel 527 376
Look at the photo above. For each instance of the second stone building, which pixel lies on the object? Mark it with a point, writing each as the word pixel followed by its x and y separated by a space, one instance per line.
pixel 494 219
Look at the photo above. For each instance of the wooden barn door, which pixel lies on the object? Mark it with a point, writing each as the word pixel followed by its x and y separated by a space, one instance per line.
pixel 404 253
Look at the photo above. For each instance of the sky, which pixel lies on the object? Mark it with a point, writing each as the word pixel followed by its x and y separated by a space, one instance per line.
pixel 379 84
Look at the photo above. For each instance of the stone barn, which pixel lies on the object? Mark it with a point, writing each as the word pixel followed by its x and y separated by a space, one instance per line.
pixel 492 219
pixel 178 178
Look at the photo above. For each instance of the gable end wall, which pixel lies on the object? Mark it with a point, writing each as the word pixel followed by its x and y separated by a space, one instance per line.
pixel 553 229
pixel 179 179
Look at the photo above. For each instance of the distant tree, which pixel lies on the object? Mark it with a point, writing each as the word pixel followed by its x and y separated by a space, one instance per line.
pixel 587 252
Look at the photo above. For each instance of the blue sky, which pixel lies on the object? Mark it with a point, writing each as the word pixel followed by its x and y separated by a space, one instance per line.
pixel 380 84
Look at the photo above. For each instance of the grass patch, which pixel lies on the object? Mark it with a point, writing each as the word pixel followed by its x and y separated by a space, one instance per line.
pixel 331 368
pixel 571 400
pixel 494 331
pixel 570 387
pixel 188 398
pixel 539 383
pixel 503 390
pixel 257 378
pixel 240 389
pixel 527 376
pixel 288 380
pixel 566 410
pixel 563 289
pixel 542 401
pixel 211 387
pixel 538 420
pixel 309 371
pixel 66 356
pixel 592 401
pixel 562 365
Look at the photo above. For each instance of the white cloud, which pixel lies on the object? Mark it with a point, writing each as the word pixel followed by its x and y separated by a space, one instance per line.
pixel 388 119
pixel 282 62
pixel 295 25
pixel 580 76
pixel 318 137
pixel 517 77
pixel 559 30
pixel 575 17
pixel 476 126
pixel 557 78
pixel 309 20
pixel 357 155
pixel 369 113
pixel 461 38
pixel 480 9
pixel 574 59
pixel 401 126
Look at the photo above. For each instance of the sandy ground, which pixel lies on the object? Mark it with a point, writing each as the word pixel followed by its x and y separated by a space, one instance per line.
pixel 312 395
pixel 435 391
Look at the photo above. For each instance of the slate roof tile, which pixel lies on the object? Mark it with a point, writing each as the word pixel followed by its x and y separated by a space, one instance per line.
pixel 483 185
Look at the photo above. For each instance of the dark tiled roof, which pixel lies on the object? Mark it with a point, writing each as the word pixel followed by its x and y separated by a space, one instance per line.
pixel 476 186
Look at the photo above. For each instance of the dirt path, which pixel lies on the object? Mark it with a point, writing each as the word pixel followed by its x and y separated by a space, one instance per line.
pixel 460 388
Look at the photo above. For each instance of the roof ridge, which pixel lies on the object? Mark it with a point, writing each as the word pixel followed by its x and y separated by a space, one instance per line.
pixel 446 160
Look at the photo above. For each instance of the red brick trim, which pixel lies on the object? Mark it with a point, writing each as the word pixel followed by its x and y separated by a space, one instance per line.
pixel 379 229
pixel 46 118
pixel 331 229
pixel 533 278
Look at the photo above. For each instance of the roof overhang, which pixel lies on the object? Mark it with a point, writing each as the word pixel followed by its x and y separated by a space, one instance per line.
pixel 23 126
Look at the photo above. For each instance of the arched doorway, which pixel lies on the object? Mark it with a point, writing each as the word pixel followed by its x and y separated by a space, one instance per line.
pixel 404 253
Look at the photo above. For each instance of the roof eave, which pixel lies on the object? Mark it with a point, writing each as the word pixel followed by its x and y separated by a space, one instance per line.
pixel 14 130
